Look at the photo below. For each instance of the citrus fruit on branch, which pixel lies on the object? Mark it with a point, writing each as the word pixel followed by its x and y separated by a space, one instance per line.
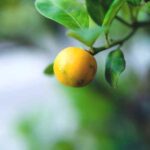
pixel 75 67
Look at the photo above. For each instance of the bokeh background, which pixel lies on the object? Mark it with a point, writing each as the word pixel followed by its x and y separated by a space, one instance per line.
pixel 38 113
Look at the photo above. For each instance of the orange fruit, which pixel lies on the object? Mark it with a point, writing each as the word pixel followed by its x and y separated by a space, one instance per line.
pixel 75 67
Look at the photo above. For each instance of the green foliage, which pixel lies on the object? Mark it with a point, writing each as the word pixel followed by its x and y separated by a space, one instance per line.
pixel 115 65
pixel 113 10
pixel 88 36
pixel 146 7
pixel 103 122
pixel 98 107
pixel 63 145
pixel 70 14
pixel 8 3
pixel 87 20
pixel 26 27
pixel 95 10
pixel 26 128
pixel 49 69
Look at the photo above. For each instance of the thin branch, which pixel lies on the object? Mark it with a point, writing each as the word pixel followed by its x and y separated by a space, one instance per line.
pixel 115 43
pixel 135 26
pixel 141 24
pixel 124 22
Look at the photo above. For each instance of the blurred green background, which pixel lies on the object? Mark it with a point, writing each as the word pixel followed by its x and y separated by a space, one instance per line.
pixel 37 113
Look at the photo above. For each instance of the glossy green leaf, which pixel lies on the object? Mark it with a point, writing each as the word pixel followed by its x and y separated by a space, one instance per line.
pixel 97 9
pixel 112 12
pixel 49 69
pixel 70 13
pixel 86 36
pixel 115 65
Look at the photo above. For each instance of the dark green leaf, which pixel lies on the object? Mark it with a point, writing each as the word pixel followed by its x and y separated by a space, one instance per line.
pixel 97 9
pixel 115 65
pixel 69 13
pixel 49 70
pixel 86 36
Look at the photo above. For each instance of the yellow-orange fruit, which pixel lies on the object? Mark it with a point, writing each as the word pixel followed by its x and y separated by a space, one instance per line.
pixel 75 67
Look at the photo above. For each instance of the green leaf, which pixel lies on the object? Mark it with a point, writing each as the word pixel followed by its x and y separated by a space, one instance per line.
pixel 97 9
pixel 70 13
pixel 134 2
pixel 112 12
pixel 86 36
pixel 115 65
pixel 49 69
